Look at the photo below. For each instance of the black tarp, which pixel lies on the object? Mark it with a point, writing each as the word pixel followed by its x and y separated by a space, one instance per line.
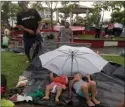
pixel 38 47
pixel 110 85
pixel 17 50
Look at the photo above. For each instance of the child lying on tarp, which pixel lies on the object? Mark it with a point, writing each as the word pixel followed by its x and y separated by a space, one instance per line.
pixel 58 84
pixel 84 89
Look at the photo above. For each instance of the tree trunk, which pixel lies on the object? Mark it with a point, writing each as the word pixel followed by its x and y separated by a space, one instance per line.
pixel 51 19
pixel 51 11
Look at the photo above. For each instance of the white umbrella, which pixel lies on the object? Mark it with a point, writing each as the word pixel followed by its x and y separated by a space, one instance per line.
pixel 68 60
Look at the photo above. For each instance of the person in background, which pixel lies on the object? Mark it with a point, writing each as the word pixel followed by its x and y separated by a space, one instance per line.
pixel 5 39
pixel 118 27
pixel 98 29
pixel 66 33
pixel 7 31
pixel 29 21
pixel 110 31
pixel 4 101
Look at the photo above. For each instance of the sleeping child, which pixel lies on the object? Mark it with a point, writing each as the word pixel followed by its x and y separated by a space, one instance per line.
pixel 84 89
pixel 57 85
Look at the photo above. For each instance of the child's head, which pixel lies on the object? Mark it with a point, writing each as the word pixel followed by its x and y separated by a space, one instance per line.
pixel 78 74
pixel 3 85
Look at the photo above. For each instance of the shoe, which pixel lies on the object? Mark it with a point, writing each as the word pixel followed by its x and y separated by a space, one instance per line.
pixel 20 98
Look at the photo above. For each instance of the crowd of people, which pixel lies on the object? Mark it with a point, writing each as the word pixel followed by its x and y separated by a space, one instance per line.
pixel 110 31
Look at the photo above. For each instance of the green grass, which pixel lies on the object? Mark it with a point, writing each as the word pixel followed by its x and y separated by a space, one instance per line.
pixel 117 59
pixel 93 37
pixel 13 65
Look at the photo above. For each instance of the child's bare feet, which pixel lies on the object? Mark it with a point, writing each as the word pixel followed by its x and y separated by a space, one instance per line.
pixel 57 100
pixel 90 103
pixel 45 98
pixel 95 101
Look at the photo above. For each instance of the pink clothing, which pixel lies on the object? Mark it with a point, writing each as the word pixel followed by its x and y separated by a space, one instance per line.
pixel 58 84
pixel 110 26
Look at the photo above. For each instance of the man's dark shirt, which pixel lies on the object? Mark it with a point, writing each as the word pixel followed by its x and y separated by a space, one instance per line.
pixel 29 19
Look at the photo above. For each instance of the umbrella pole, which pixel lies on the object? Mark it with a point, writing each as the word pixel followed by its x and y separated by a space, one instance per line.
pixel 72 62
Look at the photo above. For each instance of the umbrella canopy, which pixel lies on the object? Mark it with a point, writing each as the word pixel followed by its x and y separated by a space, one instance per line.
pixel 68 60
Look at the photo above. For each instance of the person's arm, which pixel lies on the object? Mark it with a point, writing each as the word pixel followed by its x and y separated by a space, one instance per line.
pixel 39 28
pixel 26 29
pixel 88 77
pixel 20 26
pixel 51 76
pixel 66 79
pixel 58 36
pixel 70 87
pixel 71 35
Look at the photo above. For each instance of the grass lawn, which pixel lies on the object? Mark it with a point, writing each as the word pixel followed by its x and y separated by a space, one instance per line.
pixel 13 65
pixel 93 37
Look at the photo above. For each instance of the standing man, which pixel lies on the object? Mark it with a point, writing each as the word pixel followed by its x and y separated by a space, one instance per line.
pixel 98 29
pixel 66 33
pixel 28 20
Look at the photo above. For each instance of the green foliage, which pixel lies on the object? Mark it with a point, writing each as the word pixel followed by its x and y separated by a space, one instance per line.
pixel 9 10
pixel 48 21
pixel 116 5
pixel 118 16
pixel 12 66
pixel 116 59
pixel 5 10
pixel 67 8
pixel 38 6
pixel 79 20
pixel 14 9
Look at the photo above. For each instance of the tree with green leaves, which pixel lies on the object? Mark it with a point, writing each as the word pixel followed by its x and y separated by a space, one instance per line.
pixel 50 5
pixel 115 6
pixel 38 6
pixel 67 8
pixel 118 11
pixel 5 11
pixel 79 20
pixel 9 10
pixel 118 16
pixel 14 9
